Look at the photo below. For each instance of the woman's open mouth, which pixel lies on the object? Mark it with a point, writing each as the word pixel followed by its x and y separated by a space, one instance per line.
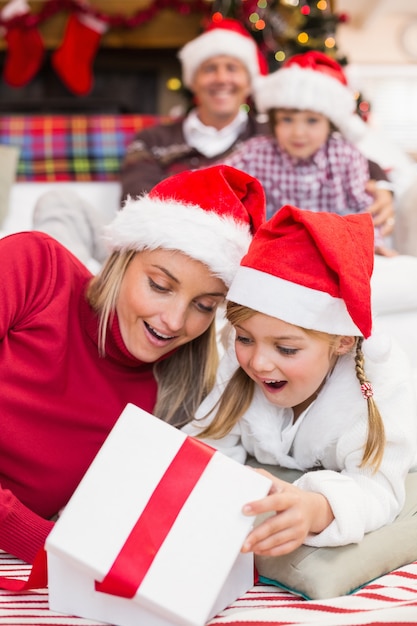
pixel 158 335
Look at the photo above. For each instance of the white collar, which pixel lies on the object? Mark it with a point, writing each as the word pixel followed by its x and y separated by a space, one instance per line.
pixel 207 139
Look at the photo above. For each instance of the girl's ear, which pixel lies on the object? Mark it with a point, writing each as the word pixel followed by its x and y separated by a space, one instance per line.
pixel 345 344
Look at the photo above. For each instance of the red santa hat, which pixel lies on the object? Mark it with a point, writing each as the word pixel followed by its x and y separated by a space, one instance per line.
pixel 225 37
pixel 208 214
pixel 312 270
pixel 312 81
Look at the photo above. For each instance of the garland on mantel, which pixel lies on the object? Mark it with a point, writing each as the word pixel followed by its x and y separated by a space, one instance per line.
pixel 73 59
pixel 114 20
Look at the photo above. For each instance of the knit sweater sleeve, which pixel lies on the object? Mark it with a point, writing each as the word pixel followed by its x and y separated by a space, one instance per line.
pixel 28 262
pixel 22 532
pixel 147 158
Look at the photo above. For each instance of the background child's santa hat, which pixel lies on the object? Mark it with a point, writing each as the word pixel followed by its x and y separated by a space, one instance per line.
pixel 312 270
pixel 225 37
pixel 208 214
pixel 312 81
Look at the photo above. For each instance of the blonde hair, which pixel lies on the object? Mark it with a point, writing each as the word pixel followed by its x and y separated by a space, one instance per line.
pixel 238 396
pixel 187 376
pixel 375 443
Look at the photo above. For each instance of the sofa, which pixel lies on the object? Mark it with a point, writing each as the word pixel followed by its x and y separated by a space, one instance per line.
pixel 84 153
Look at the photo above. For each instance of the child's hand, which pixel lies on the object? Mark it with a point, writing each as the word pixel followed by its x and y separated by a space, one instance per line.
pixel 383 251
pixel 295 514
pixel 382 208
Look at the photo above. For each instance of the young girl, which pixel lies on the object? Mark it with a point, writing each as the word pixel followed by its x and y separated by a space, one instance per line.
pixel 312 388
pixel 310 160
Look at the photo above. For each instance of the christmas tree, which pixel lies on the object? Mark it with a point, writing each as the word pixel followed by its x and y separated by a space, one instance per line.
pixel 283 28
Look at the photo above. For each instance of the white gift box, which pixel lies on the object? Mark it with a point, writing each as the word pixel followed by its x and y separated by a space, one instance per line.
pixel 152 534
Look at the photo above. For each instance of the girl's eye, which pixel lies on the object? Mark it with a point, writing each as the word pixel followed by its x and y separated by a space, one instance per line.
pixel 159 288
pixel 287 351
pixel 244 340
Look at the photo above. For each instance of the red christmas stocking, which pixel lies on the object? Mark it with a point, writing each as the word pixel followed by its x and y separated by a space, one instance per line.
pixel 25 47
pixel 73 60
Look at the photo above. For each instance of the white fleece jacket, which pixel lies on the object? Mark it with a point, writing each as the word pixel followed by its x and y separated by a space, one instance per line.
pixel 327 441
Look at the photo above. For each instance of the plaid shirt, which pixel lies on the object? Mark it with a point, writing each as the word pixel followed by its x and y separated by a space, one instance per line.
pixel 332 180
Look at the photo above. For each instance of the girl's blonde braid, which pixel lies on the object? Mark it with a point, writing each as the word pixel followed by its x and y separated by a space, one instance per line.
pixel 375 443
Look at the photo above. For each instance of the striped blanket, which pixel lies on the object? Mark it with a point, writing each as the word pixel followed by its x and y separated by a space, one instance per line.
pixel 392 599
pixel 71 147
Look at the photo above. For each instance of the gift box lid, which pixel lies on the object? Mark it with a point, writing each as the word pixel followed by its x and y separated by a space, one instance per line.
pixel 157 517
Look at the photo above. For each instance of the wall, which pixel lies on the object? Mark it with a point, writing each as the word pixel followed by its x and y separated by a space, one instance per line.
pixel 376 31
pixel 380 43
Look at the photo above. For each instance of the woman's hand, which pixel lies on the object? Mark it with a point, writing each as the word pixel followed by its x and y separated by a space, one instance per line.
pixel 382 208
pixel 295 514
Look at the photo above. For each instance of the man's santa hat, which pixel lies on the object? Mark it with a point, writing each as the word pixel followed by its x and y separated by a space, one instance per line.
pixel 311 81
pixel 226 37
pixel 208 214
pixel 312 270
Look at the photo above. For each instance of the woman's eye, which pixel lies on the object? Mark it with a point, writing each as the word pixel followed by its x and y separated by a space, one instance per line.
pixel 153 285
pixel 205 308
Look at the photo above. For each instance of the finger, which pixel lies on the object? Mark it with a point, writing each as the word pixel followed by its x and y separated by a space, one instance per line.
pixel 388 226
pixel 271 525
pixel 282 541
pixel 274 502
pixel 382 251
pixel 277 550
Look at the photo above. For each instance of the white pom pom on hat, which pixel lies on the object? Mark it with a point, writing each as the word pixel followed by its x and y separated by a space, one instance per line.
pixel 208 214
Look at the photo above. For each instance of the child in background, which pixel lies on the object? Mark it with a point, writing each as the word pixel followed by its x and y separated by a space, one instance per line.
pixel 311 388
pixel 310 160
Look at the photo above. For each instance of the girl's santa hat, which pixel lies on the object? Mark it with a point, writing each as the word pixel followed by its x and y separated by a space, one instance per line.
pixel 312 270
pixel 227 37
pixel 312 81
pixel 208 214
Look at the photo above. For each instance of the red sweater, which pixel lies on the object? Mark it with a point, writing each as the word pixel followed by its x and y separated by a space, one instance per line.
pixel 58 398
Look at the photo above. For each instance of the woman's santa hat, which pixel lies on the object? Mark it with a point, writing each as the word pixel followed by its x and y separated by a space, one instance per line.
pixel 312 270
pixel 312 81
pixel 227 37
pixel 208 214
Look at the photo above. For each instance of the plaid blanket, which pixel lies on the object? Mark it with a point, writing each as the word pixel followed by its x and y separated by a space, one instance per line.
pixel 71 147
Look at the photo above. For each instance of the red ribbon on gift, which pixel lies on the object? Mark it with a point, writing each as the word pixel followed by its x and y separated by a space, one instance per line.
pixel 148 534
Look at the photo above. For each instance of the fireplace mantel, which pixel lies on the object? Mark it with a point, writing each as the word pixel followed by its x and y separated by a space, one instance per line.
pixel 168 29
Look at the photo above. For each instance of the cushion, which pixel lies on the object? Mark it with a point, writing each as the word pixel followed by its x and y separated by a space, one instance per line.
pixel 319 573
pixel 9 156
pixel 394 284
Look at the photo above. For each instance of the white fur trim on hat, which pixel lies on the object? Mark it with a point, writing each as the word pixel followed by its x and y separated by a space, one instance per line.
pixel 150 223
pixel 292 303
pixel 306 89
pixel 216 42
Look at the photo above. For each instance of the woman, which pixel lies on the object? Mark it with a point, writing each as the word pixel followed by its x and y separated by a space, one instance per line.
pixel 75 349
